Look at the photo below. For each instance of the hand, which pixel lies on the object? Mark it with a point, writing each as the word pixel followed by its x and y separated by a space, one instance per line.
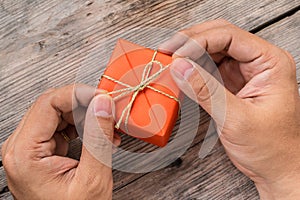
pixel 260 127
pixel 34 155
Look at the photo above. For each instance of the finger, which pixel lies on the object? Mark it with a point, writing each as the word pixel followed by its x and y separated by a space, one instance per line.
pixel 45 114
pixel 204 89
pixel 178 40
pixel 231 40
pixel 199 55
pixel 196 29
pixel 40 151
pixel 97 139
pixel 171 45
pixel 9 143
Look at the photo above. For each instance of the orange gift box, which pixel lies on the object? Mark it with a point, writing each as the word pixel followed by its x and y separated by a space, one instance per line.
pixel 146 97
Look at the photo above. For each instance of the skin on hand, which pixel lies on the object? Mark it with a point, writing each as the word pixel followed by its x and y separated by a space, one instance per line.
pixel 34 155
pixel 261 130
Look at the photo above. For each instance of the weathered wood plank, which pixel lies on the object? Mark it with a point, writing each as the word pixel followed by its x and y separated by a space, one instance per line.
pixel 53 43
pixel 6 196
pixel 3 181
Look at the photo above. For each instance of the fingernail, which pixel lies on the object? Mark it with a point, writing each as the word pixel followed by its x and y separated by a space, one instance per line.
pixel 182 68
pixel 103 105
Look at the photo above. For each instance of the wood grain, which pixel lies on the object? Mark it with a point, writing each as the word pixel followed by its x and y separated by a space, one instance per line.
pixel 6 196
pixel 3 181
pixel 46 44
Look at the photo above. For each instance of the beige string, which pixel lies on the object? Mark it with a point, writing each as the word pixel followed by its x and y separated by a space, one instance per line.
pixel 135 90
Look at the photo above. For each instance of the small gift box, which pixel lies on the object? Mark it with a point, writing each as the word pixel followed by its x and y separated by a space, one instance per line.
pixel 145 95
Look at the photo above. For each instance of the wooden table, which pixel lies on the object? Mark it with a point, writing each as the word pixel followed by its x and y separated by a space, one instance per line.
pixel 45 44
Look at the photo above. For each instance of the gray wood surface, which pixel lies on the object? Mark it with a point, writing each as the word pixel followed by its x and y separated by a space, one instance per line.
pixel 46 44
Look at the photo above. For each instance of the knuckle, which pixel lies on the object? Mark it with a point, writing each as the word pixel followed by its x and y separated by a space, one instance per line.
pixel 50 90
pixel 230 28
pixel 198 43
pixel 290 60
pixel 186 32
pixel 290 57
pixel 183 31
pixel 194 38
pixel 72 87
pixel 9 163
pixel 223 21
pixel 46 96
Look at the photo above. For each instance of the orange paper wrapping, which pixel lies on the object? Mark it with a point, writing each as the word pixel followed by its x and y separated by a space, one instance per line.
pixel 153 115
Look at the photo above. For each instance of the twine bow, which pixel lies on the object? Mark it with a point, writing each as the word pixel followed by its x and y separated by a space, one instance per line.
pixel 135 90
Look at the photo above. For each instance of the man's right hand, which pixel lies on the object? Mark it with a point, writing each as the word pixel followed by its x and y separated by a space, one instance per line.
pixel 261 129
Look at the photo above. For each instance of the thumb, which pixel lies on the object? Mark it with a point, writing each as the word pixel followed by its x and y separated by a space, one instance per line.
pixel 203 88
pixel 97 138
